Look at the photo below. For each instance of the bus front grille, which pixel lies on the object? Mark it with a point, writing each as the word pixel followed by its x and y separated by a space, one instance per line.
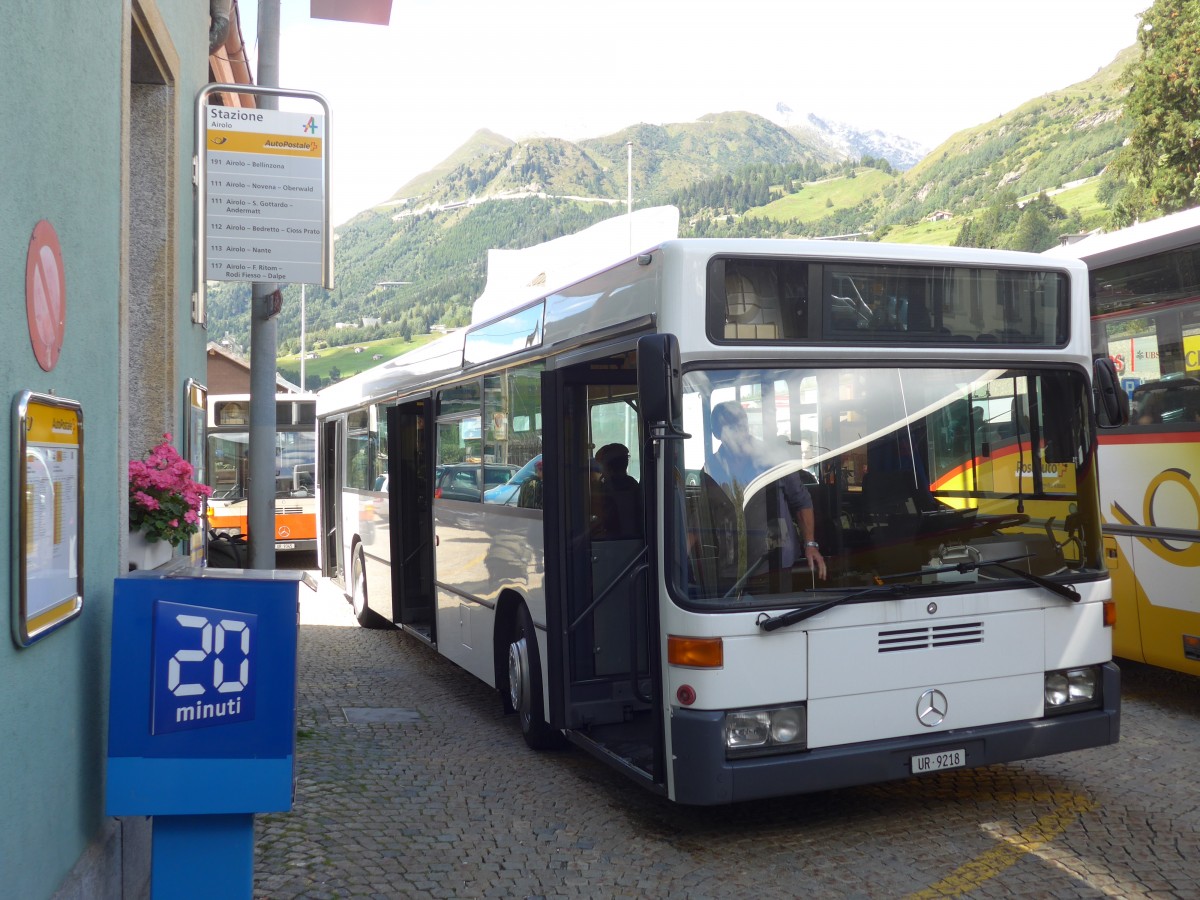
pixel 930 637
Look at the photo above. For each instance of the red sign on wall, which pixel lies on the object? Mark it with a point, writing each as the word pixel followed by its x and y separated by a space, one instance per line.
pixel 45 294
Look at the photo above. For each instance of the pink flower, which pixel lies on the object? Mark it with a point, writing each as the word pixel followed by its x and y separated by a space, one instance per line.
pixel 164 501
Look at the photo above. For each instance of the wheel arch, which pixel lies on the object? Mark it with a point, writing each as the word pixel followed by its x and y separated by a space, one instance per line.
pixel 508 607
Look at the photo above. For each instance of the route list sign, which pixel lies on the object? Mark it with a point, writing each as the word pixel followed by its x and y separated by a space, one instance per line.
pixel 265 196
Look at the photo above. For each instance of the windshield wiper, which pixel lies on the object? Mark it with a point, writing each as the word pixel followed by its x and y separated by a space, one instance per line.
pixel 1063 590
pixel 770 623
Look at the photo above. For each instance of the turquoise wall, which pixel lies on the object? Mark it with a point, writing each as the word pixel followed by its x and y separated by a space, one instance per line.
pixel 60 147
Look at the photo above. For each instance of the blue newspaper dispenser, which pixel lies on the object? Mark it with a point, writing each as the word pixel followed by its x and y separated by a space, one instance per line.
pixel 202 719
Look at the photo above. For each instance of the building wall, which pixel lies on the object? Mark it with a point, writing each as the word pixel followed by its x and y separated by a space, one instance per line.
pixel 98 140
pixel 225 376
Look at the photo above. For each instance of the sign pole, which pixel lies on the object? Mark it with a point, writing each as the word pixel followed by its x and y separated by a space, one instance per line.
pixel 264 343
pixel 202 856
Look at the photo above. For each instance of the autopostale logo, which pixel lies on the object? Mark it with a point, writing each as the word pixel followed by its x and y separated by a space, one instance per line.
pixel 203 666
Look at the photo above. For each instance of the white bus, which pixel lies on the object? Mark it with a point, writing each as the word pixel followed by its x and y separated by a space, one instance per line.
pixel 934 404
pixel 295 468
pixel 1145 291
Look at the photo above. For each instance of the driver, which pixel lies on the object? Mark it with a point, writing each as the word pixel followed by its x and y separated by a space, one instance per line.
pixel 770 513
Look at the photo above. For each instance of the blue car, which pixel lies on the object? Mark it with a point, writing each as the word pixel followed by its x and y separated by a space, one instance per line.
pixel 461 480
pixel 506 494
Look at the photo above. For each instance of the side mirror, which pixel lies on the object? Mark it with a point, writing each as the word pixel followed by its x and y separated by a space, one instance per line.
pixel 1112 403
pixel 660 385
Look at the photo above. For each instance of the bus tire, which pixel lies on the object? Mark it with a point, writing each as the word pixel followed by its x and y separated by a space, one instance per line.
pixel 524 685
pixel 358 594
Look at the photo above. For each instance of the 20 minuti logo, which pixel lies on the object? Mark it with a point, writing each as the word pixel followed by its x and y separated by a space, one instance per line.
pixel 203 666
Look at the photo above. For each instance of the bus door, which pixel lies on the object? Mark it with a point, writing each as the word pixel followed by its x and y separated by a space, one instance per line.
pixel 410 517
pixel 604 680
pixel 332 564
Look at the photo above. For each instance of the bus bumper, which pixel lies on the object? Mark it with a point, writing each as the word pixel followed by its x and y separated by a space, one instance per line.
pixel 704 777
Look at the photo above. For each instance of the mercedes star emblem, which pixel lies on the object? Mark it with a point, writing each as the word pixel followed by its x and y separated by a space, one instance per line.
pixel 932 708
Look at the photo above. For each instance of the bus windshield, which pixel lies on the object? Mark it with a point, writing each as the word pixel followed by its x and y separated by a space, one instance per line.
pixel 918 476
pixel 295 464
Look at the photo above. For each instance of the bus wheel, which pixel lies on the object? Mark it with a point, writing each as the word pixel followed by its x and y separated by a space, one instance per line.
pixel 525 685
pixel 358 594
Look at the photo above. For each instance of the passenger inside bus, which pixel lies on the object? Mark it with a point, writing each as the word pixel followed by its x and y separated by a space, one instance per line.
pixel 1150 411
pixel 529 495
pixel 617 500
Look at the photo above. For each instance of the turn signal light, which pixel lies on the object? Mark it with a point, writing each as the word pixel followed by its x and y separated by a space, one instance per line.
pixel 696 653
pixel 1110 613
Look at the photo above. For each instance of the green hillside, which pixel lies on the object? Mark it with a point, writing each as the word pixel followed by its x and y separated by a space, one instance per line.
pixel 816 199
pixel 348 360
pixel 1045 143
pixel 481 143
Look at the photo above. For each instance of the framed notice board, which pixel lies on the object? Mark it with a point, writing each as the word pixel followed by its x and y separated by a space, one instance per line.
pixel 47 514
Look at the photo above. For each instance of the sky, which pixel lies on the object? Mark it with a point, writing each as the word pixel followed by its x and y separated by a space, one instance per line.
pixel 403 97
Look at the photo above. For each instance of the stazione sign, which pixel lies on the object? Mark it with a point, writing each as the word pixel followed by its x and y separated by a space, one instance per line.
pixel 265 197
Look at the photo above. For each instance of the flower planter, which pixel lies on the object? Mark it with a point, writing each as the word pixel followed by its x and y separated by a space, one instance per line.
pixel 144 554
pixel 164 502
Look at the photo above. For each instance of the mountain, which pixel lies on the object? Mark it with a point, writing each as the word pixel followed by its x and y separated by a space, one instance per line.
pixel 731 173
pixel 665 158
pixel 479 144
pixel 901 152
pixel 849 142
pixel 1052 140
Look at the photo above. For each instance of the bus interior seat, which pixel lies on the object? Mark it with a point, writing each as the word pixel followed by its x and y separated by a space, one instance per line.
pixel 889 493
pixel 919 321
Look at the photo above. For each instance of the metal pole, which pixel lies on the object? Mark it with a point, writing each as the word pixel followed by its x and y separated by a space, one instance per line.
pixel 302 351
pixel 629 191
pixel 264 343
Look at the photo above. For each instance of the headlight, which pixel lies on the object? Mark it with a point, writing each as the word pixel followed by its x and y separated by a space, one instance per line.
pixel 1070 690
pixel 754 732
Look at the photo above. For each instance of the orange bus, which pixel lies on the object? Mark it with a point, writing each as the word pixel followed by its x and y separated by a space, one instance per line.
pixel 295 467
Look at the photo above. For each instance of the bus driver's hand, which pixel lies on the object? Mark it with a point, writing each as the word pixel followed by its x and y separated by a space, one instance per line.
pixel 816 561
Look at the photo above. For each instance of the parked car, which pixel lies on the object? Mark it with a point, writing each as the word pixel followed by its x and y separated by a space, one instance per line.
pixel 460 481
pixel 506 494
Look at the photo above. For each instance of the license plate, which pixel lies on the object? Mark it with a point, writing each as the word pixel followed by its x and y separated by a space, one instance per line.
pixel 279 546
pixel 932 762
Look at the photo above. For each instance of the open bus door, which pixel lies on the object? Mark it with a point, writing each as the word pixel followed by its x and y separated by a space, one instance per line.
pixel 604 678
pixel 410 516
pixel 332 564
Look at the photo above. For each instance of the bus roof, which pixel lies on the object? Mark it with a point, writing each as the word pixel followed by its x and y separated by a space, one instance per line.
pixel 1156 236
pixel 518 277
pixel 625 292
pixel 426 361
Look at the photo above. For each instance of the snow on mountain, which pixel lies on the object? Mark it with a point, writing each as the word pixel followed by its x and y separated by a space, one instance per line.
pixel 901 152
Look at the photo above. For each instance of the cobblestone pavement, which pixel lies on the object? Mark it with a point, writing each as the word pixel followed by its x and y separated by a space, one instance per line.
pixel 410 783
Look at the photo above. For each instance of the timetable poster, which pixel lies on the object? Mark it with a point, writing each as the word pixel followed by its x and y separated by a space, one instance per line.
pixel 49 498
